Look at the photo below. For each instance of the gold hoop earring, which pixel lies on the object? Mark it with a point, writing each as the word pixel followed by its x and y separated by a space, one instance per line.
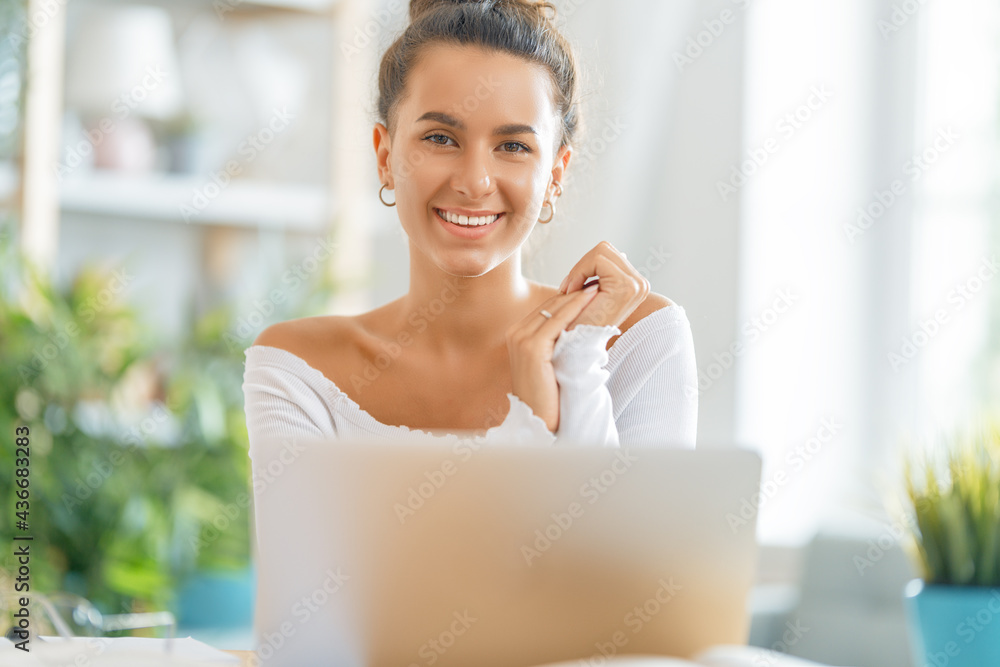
pixel 384 203
pixel 552 208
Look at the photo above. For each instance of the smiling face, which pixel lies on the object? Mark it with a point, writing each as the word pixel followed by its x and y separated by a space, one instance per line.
pixel 476 136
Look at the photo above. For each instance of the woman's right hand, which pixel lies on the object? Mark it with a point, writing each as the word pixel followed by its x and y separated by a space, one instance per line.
pixel 530 344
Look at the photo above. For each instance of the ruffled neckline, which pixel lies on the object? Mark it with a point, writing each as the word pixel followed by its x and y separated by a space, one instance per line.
pixel 333 394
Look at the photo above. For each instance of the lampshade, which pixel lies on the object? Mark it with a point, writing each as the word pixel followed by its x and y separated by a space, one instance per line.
pixel 123 57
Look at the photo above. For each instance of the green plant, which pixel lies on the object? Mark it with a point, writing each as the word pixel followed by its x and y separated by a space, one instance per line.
pixel 140 474
pixel 955 501
pixel 138 448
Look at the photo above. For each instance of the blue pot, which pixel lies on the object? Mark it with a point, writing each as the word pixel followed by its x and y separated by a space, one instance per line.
pixel 953 626
pixel 217 600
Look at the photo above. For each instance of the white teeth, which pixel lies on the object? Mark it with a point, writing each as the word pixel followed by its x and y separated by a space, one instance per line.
pixel 466 221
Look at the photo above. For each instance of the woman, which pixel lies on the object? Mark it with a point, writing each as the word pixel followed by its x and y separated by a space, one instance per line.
pixel 478 107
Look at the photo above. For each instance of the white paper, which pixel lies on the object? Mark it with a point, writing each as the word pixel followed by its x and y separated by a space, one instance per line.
pixel 114 652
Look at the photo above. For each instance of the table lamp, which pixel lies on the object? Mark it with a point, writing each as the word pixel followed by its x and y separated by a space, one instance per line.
pixel 123 70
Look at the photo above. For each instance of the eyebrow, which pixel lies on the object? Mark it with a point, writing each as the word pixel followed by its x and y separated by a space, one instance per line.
pixel 451 121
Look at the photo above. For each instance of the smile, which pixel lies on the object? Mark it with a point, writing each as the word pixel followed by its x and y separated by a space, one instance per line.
pixel 467 221
pixel 469 228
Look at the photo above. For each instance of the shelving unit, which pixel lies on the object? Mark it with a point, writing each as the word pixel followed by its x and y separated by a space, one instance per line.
pixel 241 203
pixel 255 226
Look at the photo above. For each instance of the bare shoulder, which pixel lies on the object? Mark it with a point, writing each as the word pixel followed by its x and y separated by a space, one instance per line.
pixel 652 303
pixel 305 334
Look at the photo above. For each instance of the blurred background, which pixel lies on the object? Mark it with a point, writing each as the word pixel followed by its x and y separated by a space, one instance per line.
pixel 814 182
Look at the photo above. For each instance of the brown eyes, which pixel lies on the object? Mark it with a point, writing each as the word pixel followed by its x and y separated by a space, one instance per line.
pixel 508 146
pixel 516 145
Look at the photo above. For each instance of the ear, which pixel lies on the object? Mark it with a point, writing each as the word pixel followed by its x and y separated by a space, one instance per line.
pixel 380 137
pixel 563 157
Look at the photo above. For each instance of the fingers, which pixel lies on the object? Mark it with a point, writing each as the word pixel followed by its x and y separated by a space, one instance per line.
pixel 603 258
pixel 564 309
pixel 570 307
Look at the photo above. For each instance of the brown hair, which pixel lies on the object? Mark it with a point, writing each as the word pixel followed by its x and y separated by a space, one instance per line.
pixel 522 28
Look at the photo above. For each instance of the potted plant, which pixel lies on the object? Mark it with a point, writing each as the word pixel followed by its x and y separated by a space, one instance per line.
pixel 140 474
pixel 139 449
pixel 954 498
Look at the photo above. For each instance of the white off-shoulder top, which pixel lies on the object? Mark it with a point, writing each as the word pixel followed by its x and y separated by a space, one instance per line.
pixel 640 392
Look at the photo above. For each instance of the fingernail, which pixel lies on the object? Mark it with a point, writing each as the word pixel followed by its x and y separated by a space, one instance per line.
pixel 591 289
pixel 562 285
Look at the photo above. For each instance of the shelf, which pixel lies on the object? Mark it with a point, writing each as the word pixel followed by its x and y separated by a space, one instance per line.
pixel 163 197
pixel 224 6
pixel 301 5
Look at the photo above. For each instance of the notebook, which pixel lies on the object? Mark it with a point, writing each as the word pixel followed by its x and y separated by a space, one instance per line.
pixel 386 554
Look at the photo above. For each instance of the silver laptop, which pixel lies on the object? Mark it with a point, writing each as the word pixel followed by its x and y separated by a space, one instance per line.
pixel 383 554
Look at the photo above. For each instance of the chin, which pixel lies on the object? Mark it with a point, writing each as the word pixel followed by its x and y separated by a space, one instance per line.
pixel 466 268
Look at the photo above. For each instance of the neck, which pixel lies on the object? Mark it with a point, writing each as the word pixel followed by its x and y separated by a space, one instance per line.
pixel 465 314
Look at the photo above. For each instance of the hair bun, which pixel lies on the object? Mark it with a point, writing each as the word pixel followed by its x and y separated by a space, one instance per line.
pixel 421 7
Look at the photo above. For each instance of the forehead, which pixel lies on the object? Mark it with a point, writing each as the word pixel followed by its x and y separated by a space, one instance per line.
pixel 479 86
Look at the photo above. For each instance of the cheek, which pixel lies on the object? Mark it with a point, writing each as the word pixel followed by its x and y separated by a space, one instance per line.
pixel 418 179
pixel 526 185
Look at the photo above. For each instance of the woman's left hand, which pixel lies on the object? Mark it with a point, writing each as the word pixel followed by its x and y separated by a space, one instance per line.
pixel 621 287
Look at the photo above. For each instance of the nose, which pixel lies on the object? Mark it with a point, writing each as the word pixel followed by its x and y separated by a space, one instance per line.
pixel 473 177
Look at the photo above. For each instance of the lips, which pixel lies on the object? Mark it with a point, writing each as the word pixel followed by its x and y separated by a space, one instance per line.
pixel 466 220
pixel 453 224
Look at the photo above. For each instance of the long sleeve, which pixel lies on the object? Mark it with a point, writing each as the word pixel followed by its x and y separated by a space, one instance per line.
pixel 586 410
pixel 586 415
pixel 655 382
pixel 643 392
